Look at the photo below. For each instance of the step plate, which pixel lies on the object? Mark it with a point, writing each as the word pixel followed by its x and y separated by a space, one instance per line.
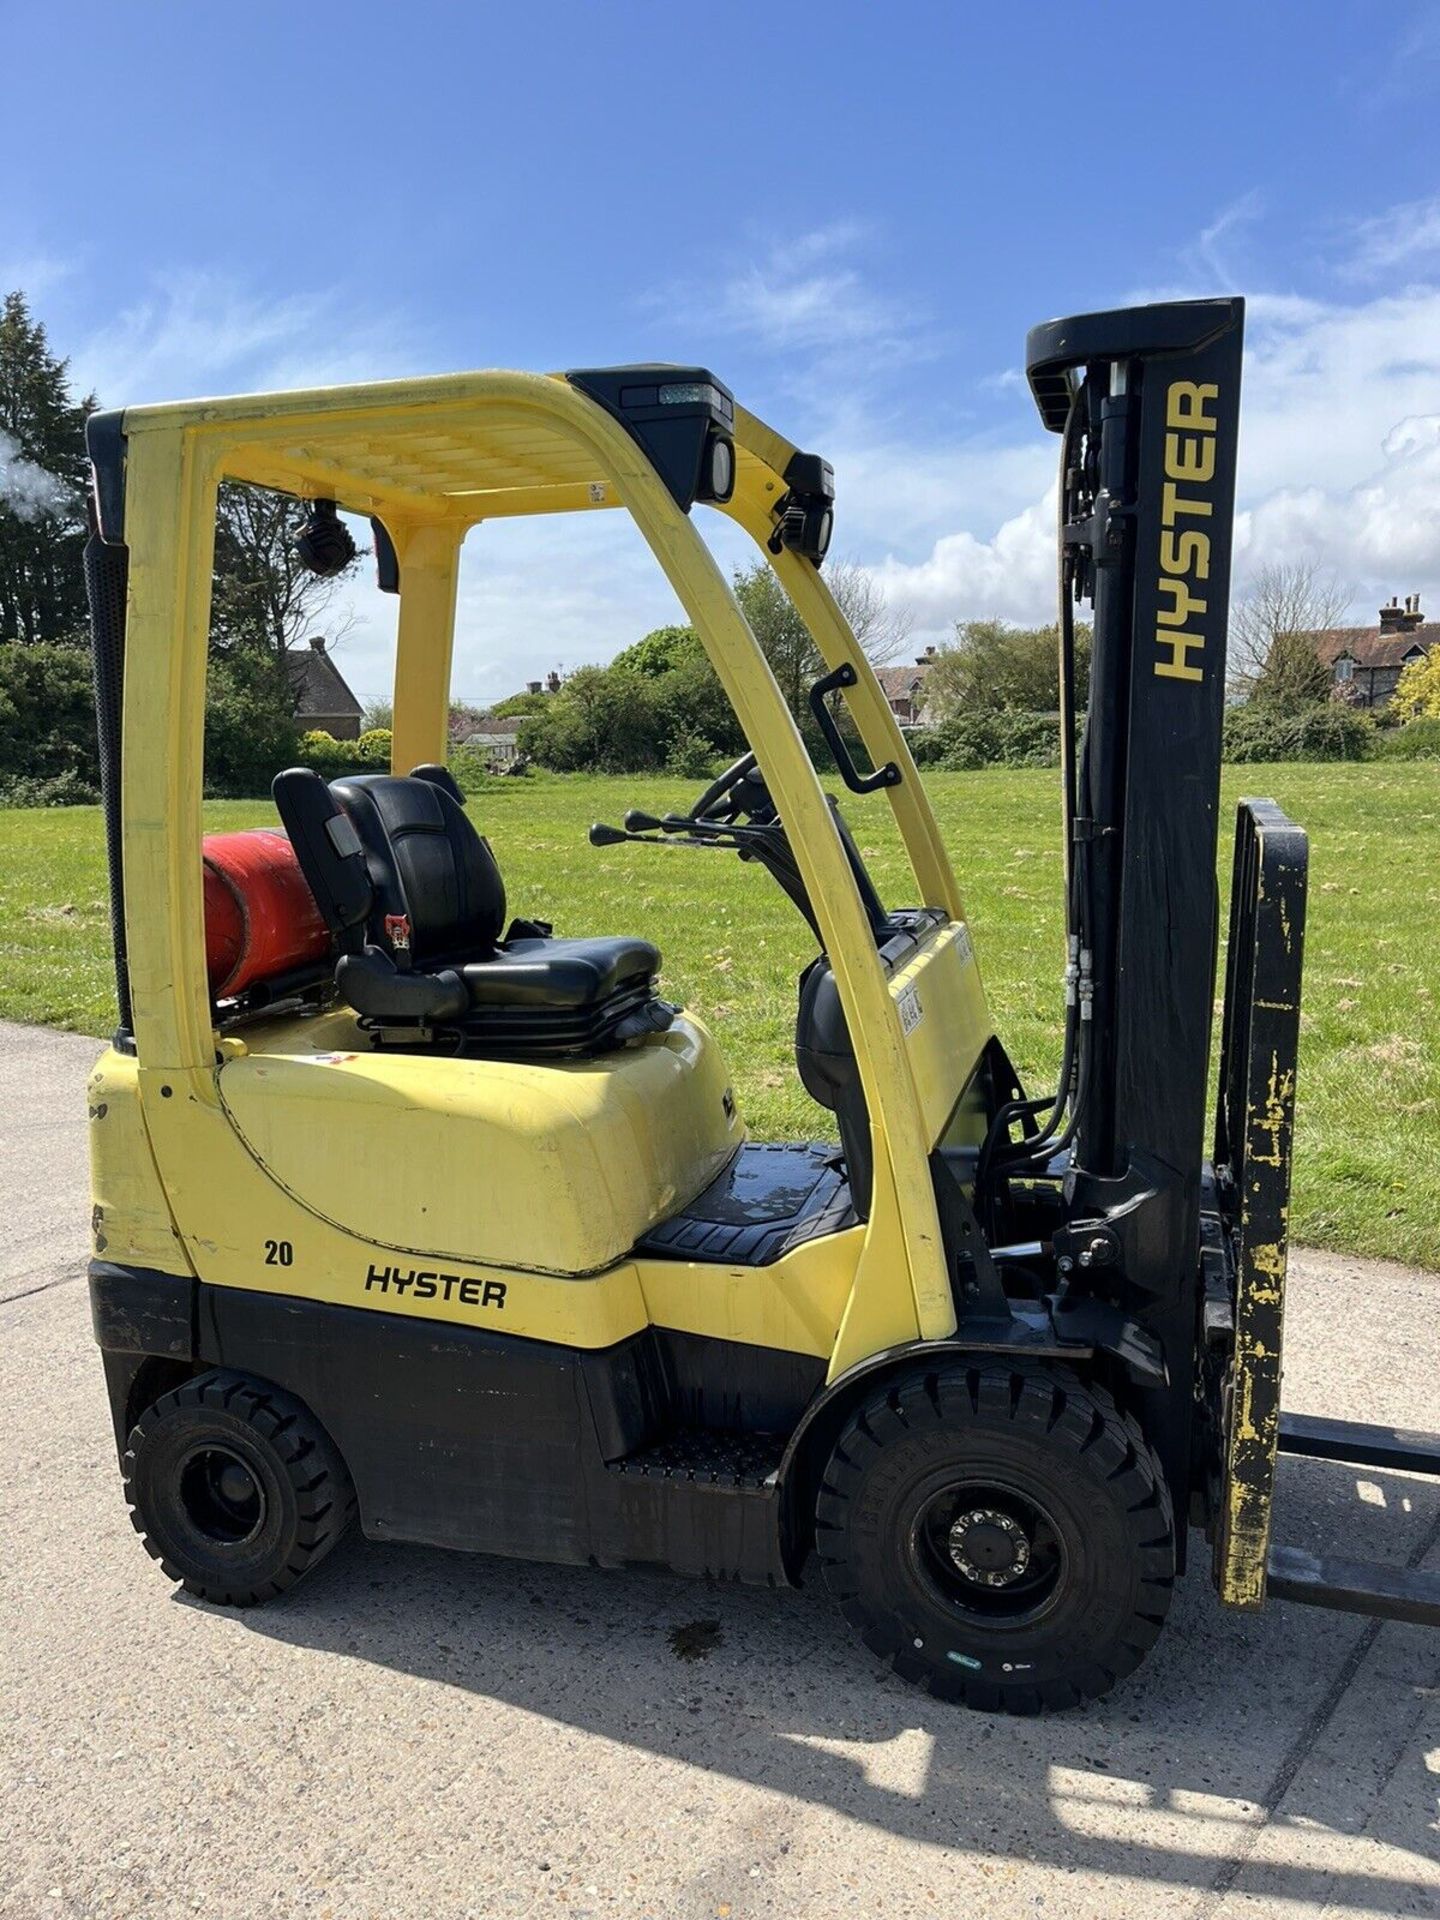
pixel 739 1460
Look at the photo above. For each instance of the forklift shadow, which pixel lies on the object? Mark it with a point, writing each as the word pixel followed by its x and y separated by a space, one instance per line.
pixel 1271 1724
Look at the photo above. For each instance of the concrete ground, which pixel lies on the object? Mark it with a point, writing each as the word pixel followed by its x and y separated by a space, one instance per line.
pixel 422 1734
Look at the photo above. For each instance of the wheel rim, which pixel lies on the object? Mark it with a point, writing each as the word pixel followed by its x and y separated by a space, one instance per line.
pixel 989 1552
pixel 221 1496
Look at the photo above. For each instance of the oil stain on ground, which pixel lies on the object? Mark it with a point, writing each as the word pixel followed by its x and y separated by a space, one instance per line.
pixel 696 1640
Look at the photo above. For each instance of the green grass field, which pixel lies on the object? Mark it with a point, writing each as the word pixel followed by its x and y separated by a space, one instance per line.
pixel 1368 1151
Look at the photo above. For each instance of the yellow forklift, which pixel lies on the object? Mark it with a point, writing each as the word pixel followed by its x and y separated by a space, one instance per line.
pixel 404 1212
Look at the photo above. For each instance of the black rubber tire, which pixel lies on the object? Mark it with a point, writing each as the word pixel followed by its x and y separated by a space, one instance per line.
pixel 1047 1437
pixel 236 1553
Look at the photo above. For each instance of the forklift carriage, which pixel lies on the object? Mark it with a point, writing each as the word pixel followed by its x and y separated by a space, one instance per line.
pixel 403 1211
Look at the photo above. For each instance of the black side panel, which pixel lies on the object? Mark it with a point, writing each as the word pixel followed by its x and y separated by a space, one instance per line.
pixel 458 1437
pixel 452 1435
pixel 725 1386
pixel 136 1310
pixel 144 1324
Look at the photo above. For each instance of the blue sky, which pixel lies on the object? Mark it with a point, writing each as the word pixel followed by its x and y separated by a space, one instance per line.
pixel 852 213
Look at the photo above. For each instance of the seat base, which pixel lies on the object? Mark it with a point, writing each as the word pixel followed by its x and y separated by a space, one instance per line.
pixel 530 996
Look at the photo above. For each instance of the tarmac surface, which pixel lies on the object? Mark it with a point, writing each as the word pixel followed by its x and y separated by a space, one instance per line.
pixel 413 1733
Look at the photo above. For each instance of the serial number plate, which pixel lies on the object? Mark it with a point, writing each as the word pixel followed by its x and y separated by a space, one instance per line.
pixel 911 1011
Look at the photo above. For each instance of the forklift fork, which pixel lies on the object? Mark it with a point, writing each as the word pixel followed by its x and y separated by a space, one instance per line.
pixel 1253 1141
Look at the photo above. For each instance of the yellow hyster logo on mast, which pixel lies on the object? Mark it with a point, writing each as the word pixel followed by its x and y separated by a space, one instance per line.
pixel 1184 550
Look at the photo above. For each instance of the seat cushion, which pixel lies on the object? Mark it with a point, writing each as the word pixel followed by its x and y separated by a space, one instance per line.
pixel 558 973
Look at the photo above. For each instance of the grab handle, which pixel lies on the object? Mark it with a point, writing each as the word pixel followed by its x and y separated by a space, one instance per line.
pixel 886 776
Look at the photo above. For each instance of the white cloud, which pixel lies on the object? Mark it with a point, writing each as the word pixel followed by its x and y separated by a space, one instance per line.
pixel 199 333
pixel 1339 463
pixel 1210 256
pixel 807 302
pixel 1008 577
pixel 1401 237
pixel 1383 533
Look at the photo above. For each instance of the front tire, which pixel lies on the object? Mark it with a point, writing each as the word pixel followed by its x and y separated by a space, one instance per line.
pixel 235 1488
pixel 1000 1534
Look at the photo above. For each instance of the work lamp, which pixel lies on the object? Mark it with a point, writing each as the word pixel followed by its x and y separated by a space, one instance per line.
pixel 805 517
pixel 323 542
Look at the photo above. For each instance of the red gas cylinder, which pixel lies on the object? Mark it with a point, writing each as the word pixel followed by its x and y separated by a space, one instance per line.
pixel 260 915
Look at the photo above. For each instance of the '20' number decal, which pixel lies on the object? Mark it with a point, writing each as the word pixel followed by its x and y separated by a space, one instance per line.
pixel 279 1253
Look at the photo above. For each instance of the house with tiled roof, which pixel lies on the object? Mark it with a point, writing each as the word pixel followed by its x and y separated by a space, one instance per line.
pixel 1366 662
pixel 323 700
pixel 495 736
pixel 904 689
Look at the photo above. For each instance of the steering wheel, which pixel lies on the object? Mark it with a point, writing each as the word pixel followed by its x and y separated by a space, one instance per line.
pixel 720 801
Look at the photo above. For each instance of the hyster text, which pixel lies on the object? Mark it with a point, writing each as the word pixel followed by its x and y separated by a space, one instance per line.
pixel 425 1285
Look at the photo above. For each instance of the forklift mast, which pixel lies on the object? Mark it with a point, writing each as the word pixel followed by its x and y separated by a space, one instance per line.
pixel 1147 401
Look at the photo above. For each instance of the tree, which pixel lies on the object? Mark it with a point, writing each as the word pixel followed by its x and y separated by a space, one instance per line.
pixel 660 652
pixel 47 722
pixel 1417 692
pixel 1292 675
pixel 881 629
pixel 603 720
pixel 250 730
pixel 42 485
pixel 785 639
pixel 518 703
pixel 1272 633
pixel 991 667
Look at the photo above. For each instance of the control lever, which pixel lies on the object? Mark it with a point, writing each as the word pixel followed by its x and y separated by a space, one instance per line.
pixel 637 822
pixel 602 836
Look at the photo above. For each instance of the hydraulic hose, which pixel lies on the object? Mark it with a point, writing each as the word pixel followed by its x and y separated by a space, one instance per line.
pixel 1065 631
pixel 1044 1137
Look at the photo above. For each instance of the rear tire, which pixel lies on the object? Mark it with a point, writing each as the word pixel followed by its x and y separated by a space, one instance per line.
pixel 235 1488
pixel 1000 1534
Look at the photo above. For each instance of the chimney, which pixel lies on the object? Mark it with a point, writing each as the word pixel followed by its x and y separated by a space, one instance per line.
pixel 533 686
pixel 925 659
pixel 317 641
pixel 1398 619
pixel 552 681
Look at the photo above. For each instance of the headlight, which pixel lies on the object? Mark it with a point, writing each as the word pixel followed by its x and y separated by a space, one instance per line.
pixel 719 481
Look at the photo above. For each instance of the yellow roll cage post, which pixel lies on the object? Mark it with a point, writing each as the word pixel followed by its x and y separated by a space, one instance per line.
pixel 431 459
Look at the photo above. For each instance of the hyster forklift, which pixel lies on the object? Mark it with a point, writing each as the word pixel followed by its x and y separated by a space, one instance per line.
pixel 404 1212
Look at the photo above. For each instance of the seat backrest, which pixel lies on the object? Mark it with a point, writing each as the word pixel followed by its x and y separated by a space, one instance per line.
pixel 329 851
pixel 425 860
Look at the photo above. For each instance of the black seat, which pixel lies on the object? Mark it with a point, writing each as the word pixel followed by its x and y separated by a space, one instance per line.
pixel 416 903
